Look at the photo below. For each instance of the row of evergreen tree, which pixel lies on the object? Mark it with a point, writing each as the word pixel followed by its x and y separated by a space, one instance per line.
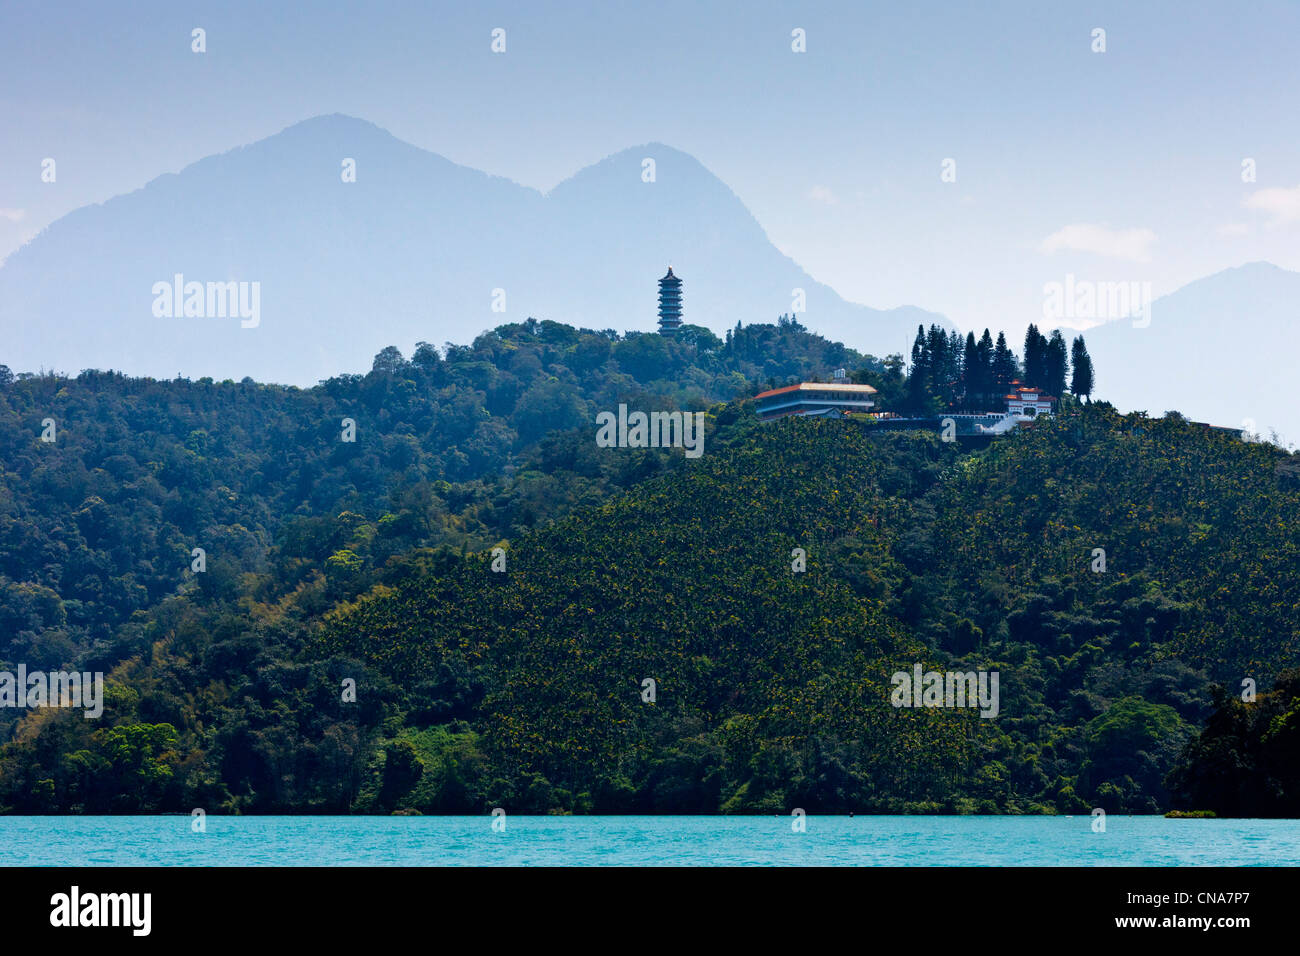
pixel 976 375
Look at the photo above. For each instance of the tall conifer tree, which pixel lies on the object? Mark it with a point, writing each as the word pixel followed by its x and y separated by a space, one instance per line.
pixel 1081 379
pixel 1055 365
pixel 984 356
pixel 1035 357
pixel 970 372
pixel 1004 366
pixel 919 374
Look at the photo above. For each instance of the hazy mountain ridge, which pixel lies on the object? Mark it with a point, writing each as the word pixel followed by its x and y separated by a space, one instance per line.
pixel 1195 357
pixel 414 249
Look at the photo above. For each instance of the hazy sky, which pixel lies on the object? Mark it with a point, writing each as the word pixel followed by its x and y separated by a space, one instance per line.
pixel 1122 165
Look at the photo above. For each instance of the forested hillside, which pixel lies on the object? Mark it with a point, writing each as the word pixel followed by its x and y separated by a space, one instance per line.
pixel 523 687
pixel 100 522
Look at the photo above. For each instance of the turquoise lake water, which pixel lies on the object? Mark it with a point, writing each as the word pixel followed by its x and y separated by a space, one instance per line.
pixel 670 841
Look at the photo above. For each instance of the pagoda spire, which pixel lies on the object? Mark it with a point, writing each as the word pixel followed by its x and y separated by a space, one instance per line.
pixel 670 303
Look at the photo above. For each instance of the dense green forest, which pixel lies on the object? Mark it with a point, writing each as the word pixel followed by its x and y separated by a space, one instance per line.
pixel 100 522
pixel 516 678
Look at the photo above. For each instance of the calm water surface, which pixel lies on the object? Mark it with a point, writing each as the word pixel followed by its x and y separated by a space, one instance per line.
pixel 671 841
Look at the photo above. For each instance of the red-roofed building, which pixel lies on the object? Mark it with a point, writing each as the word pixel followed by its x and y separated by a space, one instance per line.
pixel 834 399
pixel 1029 403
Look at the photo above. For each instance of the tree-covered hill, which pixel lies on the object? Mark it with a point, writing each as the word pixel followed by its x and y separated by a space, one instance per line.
pixel 771 683
pixel 1107 669
pixel 1199 532
pixel 100 522
pixel 523 687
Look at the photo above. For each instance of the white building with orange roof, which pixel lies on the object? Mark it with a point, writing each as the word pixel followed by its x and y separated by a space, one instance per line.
pixel 832 399
pixel 1028 402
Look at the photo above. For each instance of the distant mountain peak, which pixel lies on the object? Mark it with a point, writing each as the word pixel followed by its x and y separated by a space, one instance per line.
pixel 631 160
pixel 1209 350
pixel 328 127
pixel 418 247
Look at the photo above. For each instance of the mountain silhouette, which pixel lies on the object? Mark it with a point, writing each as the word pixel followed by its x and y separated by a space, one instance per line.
pixel 417 248
pixel 1217 350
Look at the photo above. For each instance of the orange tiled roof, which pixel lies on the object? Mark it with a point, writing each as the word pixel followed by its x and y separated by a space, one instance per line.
pixel 819 387
pixel 1042 396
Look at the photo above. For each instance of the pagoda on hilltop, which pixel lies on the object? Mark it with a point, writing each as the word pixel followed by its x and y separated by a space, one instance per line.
pixel 670 303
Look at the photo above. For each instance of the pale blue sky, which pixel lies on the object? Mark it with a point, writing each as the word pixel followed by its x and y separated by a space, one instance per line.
pixel 836 151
